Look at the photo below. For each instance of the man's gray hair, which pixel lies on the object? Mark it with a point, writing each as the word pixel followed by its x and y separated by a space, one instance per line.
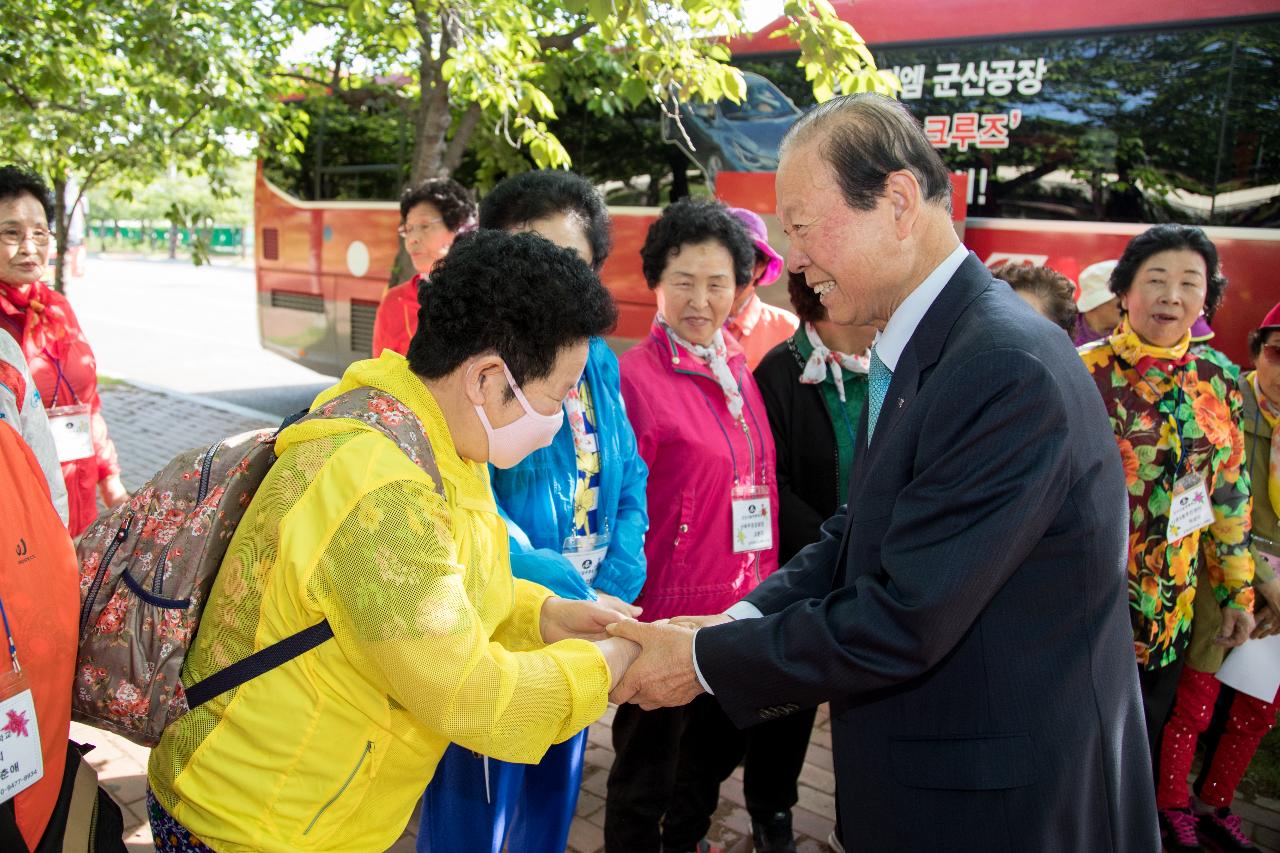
pixel 865 137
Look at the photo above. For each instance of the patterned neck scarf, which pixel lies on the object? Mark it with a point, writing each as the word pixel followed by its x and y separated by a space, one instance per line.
pixel 1144 356
pixel 30 308
pixel 1271 412
pixel 823 359
pixel 716 357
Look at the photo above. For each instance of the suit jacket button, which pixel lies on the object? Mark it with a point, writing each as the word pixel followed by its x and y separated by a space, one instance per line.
pixel 684 528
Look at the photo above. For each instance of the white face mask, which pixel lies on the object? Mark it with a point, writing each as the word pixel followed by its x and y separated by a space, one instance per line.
pixel 531 431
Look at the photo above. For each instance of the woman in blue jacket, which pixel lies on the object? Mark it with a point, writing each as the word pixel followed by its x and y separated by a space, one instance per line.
pixel 577 519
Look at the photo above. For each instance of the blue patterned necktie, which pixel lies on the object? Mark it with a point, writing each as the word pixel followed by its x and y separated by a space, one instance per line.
pixel 878 380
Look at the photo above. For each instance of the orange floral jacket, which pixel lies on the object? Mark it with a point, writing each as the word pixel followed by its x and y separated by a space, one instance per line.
pixel 1143 409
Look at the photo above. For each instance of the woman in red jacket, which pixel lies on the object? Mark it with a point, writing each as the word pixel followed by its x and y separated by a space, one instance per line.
pixel 431 215
pixel 61 362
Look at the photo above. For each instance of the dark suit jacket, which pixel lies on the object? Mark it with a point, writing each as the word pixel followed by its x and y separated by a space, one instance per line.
pixel 967 613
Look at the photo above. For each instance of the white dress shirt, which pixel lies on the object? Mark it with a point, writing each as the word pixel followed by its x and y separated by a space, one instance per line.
pixel 889 345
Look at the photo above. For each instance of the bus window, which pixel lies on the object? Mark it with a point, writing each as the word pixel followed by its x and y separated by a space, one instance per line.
pixel 1141 126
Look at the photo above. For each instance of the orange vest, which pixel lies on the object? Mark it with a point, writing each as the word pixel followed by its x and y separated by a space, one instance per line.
pixel 39 585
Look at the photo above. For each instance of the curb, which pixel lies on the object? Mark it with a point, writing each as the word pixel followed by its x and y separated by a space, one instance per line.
pixel 221 405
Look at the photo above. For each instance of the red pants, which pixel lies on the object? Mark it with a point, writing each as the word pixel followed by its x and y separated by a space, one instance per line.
pixel 1248 722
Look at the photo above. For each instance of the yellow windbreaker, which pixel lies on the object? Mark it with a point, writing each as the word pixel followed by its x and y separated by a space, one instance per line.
pixel 434 642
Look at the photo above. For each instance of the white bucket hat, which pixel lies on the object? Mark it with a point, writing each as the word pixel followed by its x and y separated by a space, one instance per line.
pixel 1095 285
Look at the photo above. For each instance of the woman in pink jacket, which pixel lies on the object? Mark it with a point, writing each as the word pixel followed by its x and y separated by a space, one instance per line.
pixel 702 429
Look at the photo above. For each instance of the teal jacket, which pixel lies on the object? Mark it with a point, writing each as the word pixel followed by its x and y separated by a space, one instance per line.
pixel 536 497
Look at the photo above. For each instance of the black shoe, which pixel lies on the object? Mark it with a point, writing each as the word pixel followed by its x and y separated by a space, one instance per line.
pixel 1222 829
pixel 773 834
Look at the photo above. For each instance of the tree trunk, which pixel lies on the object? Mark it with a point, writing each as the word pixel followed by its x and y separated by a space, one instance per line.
pixel 679 173
pixel 434 118
pixel 60 222
pixel 653 194
pixel 434 115
pixel 173 240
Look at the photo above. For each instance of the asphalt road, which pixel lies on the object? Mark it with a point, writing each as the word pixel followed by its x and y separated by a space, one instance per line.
pixel 190 329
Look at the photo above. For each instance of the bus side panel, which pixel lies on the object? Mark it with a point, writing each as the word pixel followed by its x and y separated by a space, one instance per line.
pixel 293 318
pixel 623 274
pixel 1247 257
pixel 358 252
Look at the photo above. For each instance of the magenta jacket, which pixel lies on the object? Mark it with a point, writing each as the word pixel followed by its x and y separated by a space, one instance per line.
pixel 685 433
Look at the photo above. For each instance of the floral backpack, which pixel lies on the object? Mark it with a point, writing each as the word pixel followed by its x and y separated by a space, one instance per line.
pixel 147 566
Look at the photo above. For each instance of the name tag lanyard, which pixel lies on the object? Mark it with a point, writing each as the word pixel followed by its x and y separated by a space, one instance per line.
pixel 21 759
pixel 586 553
pixel 13 647
pixel 755 489
pixel 1184 519
pixel 62 380
pixel 70 424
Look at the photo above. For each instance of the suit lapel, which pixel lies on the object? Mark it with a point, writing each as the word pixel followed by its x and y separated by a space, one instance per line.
pixel 921 352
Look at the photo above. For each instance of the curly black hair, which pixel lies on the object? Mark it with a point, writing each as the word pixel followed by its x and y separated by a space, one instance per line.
pixel 808 305
pixel 537 194
pixel 454 202
pixel 690 221
pixel 15 181
pixel 1171 237
pixel 1054 290
pixel 517 295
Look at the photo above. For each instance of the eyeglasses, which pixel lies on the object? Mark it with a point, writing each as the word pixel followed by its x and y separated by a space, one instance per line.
pixel 1271 352
pixel 418 229
pixel 11 235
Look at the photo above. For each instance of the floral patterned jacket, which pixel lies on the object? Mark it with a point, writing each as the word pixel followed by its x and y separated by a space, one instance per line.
pixel 1143 407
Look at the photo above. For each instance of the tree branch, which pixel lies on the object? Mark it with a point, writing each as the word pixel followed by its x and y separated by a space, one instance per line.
pixel 36 106
pixel 22 96
pixel 564 41
pixel 304 77
pixel 186 121
pixel 461 138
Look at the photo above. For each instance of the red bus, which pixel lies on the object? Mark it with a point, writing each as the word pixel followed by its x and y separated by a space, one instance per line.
pixel 1073 126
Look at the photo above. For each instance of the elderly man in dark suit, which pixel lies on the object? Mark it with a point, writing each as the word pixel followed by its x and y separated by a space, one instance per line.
pixel 966 614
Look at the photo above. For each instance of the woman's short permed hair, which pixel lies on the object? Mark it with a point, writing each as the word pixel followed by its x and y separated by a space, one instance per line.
pixel 1054 290
pixel 540 193
pixel 1257 338
pixel 517 295
pixel 689 222
pixel 808 304
pixel 454 202
pixel 15 181
pixel 1170 237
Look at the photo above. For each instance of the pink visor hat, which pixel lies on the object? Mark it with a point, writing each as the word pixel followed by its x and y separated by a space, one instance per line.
pixel 760 236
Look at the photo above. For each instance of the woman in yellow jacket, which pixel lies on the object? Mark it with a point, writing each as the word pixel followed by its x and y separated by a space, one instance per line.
pixel 434 641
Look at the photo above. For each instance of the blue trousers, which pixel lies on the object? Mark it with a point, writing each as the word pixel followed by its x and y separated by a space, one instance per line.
pixel 531 803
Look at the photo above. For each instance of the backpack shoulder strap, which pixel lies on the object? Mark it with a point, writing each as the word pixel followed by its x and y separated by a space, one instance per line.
pixel 386 414
pixel 397 422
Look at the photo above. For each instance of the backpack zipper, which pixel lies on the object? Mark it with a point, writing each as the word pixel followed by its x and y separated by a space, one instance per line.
pixel 202 491
pixel 368 748
pixel 206 469
pixel 91 597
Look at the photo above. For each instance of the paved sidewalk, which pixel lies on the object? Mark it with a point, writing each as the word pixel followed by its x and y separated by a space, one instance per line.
pixel 150 427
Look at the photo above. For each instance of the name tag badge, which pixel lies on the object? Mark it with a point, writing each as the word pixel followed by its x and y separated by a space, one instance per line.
pixel 1189 507
pixel 72 434
pixel 586 553
pixel 21 762
pixel 752 519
